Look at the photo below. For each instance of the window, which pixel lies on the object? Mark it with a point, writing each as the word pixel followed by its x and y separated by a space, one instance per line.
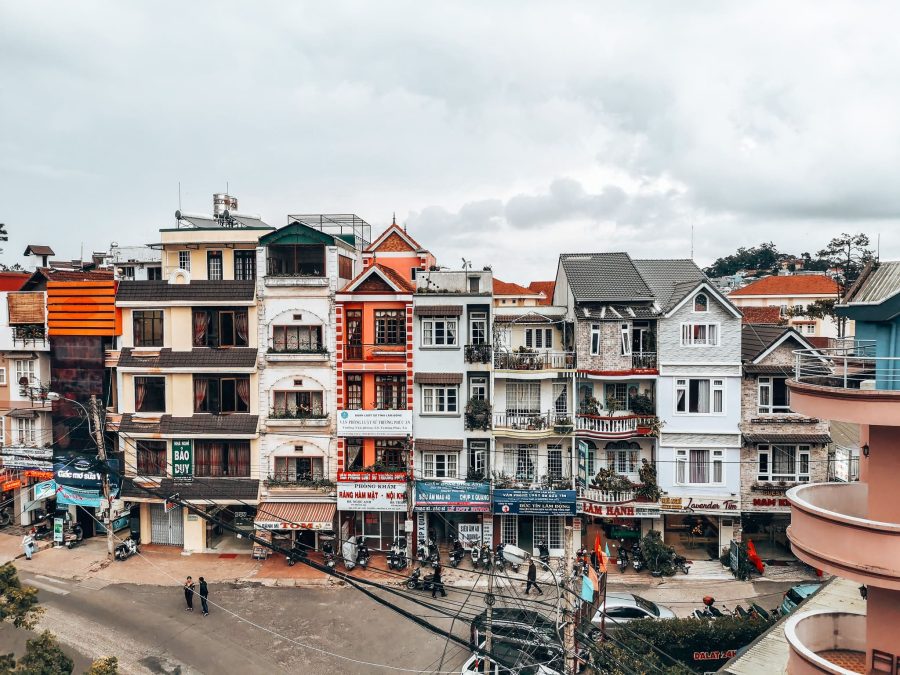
pixel 523 397
pixel 221 394
pixel 439 332
pixel 214 265
pixel 150 394
pixel 128 272
pixel 184 260
pixel 220 327
pixel 354 392
pixel 554 461
pixel 561 398
pixel 390 392
pixel 290 469
pixel 440 465
pixel 810 328
pixel 701 303
pixel 694 334
pixel 774 396
pixel 617 392
pixel 798 310
pixel 25 431
pixel 354 454
pixel 222 458
pixel 296 339
pixel 625 341
pixel 2 378
pixel 298 404
pixel 353 350
pixel 439 400
pixel 623 457
pixel 784 310
pixel 345 267
pixel 539 338
pixel 699 397
pixel 699 467
pixel 390 454
pixel 389 327
pixel 596 339
pixel 154 273
pixel 151 458
pixel 788 463
pixel 478 388
pixel 478 457
pixel 245 265
pixel 590 456
pixel 25 372
pixel 302 260
pixel 520 460
pixel 509 529
pixel 478 328
pixel 474 285
pixel 641 337
pixel 148 328
pixel 550 530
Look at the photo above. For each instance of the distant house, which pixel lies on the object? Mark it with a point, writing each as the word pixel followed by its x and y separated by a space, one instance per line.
pixel 792 294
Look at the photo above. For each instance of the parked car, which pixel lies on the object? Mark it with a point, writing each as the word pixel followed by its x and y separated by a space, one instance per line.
pixel 522 626
pixel 626 607
pixel 796 595
pixel 512 658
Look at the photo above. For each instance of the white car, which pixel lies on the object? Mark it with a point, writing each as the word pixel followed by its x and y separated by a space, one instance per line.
pixel 510 657
pixel 626 607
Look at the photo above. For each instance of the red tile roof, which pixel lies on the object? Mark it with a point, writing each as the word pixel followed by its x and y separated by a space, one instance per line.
pixel 545 287
pixel 12 281
pixel 395 278
pixel 505 288
pixel 797 284
pixel 765 315
pixel 394 227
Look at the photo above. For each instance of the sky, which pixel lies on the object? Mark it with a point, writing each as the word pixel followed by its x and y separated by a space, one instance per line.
pixel 504 133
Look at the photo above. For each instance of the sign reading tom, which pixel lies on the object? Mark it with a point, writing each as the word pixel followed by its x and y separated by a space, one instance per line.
pixel 535 502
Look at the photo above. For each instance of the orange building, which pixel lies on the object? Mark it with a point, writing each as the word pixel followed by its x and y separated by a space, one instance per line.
pixel 396 250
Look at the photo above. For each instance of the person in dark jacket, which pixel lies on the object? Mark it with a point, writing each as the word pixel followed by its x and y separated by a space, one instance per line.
pixel 532 577
pixel 204 594
pixel 189 586
pixel 438 583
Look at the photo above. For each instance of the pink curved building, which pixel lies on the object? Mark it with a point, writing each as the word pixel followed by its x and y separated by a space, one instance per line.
pixel 852 530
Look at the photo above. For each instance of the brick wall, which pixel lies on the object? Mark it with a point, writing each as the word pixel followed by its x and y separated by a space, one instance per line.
pixel 610 357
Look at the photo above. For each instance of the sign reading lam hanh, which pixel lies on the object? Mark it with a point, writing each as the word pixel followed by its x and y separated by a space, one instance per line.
pixel 374 423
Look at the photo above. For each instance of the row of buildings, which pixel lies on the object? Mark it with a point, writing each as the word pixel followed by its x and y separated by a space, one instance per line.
pixel 309 378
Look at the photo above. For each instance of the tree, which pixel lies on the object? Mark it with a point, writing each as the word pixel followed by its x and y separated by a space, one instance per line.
pixel 851 252
pixel 44 656
pixel 763 257
pixel 660 557
pixel 108 665
pixel 7 664
pixel 18 603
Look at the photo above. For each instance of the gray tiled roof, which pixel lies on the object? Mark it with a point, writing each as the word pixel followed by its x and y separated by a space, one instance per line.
pixel 163 291
pixel 670 280
pixel 757 338
pixel 201 423
pixel 201 357
pixel 600 311
pixel 438 310
pixel 245 489
pixel 764 369
pixel 600 277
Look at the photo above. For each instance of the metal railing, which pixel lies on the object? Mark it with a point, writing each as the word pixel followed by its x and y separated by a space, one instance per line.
pixel 480 353
pixel 533 421
pixel 850 365
pixel 375 352
pixel 30 334
pixel 643 360
pixel 607 496
pixel 534 360
pixel 615 426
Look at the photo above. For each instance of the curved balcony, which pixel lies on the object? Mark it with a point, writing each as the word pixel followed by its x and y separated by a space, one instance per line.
pixel 847 383
pixel 531 424
pixel 822 641
pixel 831 531
pixel 615 426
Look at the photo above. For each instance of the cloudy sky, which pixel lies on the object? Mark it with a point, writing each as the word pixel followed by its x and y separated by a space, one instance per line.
pixel 505 132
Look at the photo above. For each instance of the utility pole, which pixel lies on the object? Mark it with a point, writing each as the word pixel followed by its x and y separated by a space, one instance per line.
pixel 101 455
pixel 573 598
pixel 489 599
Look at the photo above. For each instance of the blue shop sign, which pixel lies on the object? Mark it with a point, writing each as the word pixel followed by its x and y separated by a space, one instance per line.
pixel 535 502
pixel 453 496
pixel 85 472
pixel 78 497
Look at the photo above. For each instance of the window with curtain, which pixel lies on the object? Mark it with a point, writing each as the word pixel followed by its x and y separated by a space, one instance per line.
pixel 618 391
pixel 390 392
pixel 693 334
pixel 291 469
pixel 774 396
pixel 296 339
pixel 151 458
pixel 389 328
pixel 520 460
pixel 788 463
pixel 440 332
pixel 298 404
pixel 391 454
pixel 623 457
pixel 214 394
pixel 150 394
pixel 354 392
pixel 220 327
pixel 700 467
pixel 222 458
pixel 699 396
pixel 354 448
pixel 523 397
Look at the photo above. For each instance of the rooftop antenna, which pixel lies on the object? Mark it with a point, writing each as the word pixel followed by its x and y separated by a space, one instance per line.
pixel 467 264
pixel 878 248
pixel 179 195
pixel 692 240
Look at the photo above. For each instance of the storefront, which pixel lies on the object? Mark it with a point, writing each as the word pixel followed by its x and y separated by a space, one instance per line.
pixel 616 521
pixel 764 521
pixel 23 469
pixel 699 527
pixel 287 523
pixel 527 517
pixel 373 505
pixel 79 487
pixel 452 510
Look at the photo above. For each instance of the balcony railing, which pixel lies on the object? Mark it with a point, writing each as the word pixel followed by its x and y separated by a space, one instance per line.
pixel 533 421
pixel 478 353
pixel 851 365
pixel 822 641
pixel 620 426
pixel 643 360
pixel 25 335
pixel 534 360
pixel 288 414
pixel 375 352
pixel 607 496
pixel 510 478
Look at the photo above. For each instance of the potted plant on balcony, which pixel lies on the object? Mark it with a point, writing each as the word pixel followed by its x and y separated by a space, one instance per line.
pixel 589 406
pixel 648 489
pixel 563 425
pixel 612 405
pixel 475 475
pixel 478 414
pixel 608 480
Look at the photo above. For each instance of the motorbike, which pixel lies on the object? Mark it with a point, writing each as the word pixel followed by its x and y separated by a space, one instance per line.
pixel 682 564
pixel 362 554
pixel 127 548
pixel 457 554
pixel 328 553
pixel 637 558
pixel 710 611
pixel 73 536
pixel 422 553
pixel 486 561
pixel 296 553
pixel 434 555
pixel 349 553
pixel 476 556
pixel 417 582
pixel 622 560
pixel 397 560
pixel 499 560
pixel 543 552
pixel 42 524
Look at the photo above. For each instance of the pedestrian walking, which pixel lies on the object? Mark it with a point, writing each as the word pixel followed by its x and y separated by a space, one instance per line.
pixel 437 583
pixel 204 594
pixel 532 578
pixel 189 586
pixel 28 544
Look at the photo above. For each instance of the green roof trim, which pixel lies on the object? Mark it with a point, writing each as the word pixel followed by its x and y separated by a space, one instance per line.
pixel 296 234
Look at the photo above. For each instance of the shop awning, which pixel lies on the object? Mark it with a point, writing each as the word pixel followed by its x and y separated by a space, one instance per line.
pixel 295 516
pixel 812 439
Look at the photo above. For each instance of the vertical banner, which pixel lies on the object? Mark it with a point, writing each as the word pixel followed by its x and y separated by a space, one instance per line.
pixel 582 462
pixel 183 461
pixel 487 529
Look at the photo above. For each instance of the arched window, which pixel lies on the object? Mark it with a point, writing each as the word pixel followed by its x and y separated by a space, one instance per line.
pixel 701 302
pixel 623 457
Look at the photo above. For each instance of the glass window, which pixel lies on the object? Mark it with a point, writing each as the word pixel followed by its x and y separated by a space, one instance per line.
pixel 478 457
pixel 439 400
pixel 555 461
pixel 220 327
pixel 440 465
pixel 25 372
pixel 596 340
pixel 523 397
pixel 478 388
pixel 617 392
pixel 700 467
pixel 148 328
pixel 701 302
pixel 150 394
pixel 561 398
pixel 783 463
pixel 184 260
pixel 699 396
pixel 214 265
pixel 389 327
pixel 391 454
pixel 550 530
pixel 693 334
pixel 390 392
pixel 298 404
pixel 439 332
pixel 520 460
pixel 774 395
pixel 245 265
pixel 509 530
pixel 539 338
pixel 478 328
pixel 221 458
pixel 623 457
pixel 154 273
pixel 221 394
pixel 151 458
pixel 354 392
pixel 26 433
pixel 291 469
pixel 296 339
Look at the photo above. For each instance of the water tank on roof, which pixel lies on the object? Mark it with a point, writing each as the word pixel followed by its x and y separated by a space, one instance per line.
pixel 223 202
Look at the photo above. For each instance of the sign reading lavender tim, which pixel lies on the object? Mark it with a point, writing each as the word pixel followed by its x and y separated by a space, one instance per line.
pixel 535 502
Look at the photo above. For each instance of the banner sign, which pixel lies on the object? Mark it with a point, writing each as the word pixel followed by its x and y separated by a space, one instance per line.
pixel 58 529
pixel 183 461
pixel 45 489
pixel 626 510
pixel 78 497
pixel 372 496
pixel 27 458
pixel 699 504
pixel 370 476
pixel 374 423
pixel 455 496
pixel 83 471
pixel 469 534
pixel 535 502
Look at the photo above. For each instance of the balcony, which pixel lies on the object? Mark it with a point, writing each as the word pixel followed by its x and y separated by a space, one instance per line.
pixel 478 353
pixel 831 531
pixel 31 336
pixel 510 479
pixel 847 383
pixel 279 355
pixel 295 419
pixel 391 353
pixel 296 265
pixel 533 360
pixel 822 641
pixel 643 361
pixel 616 426
pixel 532 424
pixel 288 485
pixel 607 496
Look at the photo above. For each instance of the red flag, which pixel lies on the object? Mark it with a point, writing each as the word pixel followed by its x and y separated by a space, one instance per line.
pixel 598 551
pixel 592 575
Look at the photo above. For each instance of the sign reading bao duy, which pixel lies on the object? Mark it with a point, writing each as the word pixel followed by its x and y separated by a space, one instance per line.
pixel 377 423
pixel 371 491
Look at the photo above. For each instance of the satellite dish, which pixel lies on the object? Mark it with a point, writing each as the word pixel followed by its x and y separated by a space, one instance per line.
pixel 178 214
pixel 115 244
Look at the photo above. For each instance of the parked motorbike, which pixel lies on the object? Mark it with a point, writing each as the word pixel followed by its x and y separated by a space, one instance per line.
pixel 543 552
pixel 710 611
pixel 457 553
pixel 42 523
pixel 297 552
pixel 362 553
pixel 422 553
pixel 637 558
pixel 499 560
pixel 73 536
pixel 476 556
pixel 682 564
pixel 127 548
pixel 328 553
pixel 417 582
pixel 486 561
pixel 349 553
pixel 397 559
pixel 622 560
